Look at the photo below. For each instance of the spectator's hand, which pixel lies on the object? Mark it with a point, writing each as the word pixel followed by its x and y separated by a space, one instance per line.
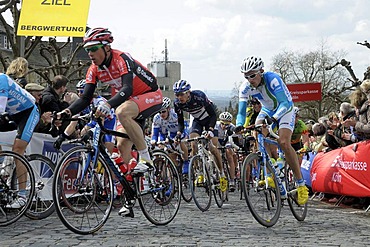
pixel 346 136
pixel 103 110
pixel 349 122
pixel 330 132
pixel 66 113
pixel 153 142
pixel 46 117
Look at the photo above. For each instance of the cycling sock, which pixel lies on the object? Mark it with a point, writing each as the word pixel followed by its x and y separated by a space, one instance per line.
pixel 144 154
pixel 301 182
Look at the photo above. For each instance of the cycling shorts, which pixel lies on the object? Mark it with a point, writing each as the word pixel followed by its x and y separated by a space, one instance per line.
pixel 285 122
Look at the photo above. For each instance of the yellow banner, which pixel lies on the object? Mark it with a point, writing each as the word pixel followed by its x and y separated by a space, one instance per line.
pixel 53 18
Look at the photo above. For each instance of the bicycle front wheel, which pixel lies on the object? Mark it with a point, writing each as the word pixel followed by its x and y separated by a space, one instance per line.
pixel 82 193
pixel 17 186
pixel 200 183
pixel 219 185
pixel 298 211
pixel 42 204
pixel 263 200
pixel 160 196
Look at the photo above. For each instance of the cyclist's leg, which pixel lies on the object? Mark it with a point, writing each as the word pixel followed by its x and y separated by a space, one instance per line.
pixel 214 150
pixel 195 131
pixel 285 134
pixel 230 155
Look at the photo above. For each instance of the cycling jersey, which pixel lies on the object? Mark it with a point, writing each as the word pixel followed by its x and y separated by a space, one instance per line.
pixel 198 106
pixel 127 78
pixel 300 129
pixel 20 105
pixel 163 128
pixel 13 98
pixel 223 133
pixel 272 93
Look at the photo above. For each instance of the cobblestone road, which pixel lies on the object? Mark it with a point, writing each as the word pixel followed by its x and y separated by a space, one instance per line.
pixel 232 225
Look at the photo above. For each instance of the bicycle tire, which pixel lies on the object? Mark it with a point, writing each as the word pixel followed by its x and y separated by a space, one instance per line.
pixel 201 190
pixel 218 194
pixel 9 188
pixel 299 211
pixel 42 205
pixel 161 202
pixel 185 188
pixel 264 202
pixel 83 204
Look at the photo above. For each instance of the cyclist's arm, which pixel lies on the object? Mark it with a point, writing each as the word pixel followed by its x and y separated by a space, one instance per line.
pixel 180 119
pixel 284 104
pixel 155 133
pixel 242 113
pixel 85 99
pixel 3 100
pixel 125 92
pixel 212 114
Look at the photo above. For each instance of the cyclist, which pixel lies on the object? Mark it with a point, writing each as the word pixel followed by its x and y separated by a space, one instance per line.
pixel 135 93
pixel 109 120
pixel 165 125
pixel 20 106
pixel 225 129
pixel 197 104
pixel 277 109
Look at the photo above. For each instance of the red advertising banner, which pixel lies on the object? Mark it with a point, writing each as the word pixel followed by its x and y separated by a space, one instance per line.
pixel 305 91
pixel 343 171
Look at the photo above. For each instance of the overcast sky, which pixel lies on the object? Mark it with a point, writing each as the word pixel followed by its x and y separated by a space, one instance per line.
pixel 210 38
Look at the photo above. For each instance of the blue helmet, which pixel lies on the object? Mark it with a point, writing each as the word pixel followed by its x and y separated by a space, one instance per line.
pixel 181 86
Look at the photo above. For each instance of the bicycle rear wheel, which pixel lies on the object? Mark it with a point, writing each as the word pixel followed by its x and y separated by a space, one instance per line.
pixel 298 211
pixel 200 183
pixel 17 186
pixel 263 200
pixel 42 204
pixel 161 201
pixel 219 185
pixel 185 188
pixel 82 194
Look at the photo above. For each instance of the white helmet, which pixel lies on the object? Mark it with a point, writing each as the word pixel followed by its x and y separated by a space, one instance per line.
pixel 225 116
pixel 166 102
pixel 251 64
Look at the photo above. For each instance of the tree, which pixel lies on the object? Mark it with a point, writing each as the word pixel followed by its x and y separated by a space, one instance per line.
pixel 298 67
pixel 59 58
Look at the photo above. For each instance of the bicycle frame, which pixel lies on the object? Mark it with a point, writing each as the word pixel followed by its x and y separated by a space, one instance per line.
pixel 263 152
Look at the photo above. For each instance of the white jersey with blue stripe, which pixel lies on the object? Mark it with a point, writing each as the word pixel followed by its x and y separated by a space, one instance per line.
pixel 162 128
pixel 13 98
pixel 272 93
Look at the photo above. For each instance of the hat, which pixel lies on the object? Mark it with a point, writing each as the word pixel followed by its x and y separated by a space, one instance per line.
pixel 34 87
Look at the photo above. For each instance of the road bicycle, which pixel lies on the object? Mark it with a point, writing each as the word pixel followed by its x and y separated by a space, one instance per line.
pixel 259 180
pixel 83 189
pixel 176 152
pixel 205 177
pixel 19 177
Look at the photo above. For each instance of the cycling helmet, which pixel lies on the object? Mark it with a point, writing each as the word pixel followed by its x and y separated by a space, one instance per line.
pixel 96 36
pixel 166 102
pixel 225 116
pixel 181 86
pixel 81 84
pixel 251 64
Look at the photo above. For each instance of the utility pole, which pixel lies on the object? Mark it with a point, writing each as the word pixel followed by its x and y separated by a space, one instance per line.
pixel 165 57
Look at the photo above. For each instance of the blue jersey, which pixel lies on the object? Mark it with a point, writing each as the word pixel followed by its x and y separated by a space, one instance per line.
pixel 13 98
pixel 163 128
pixel 272 93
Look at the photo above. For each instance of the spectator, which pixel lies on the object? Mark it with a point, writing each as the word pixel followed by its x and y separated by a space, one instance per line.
pixel 18 70
pixel 52 101
pixel 362 126
pixel 36 91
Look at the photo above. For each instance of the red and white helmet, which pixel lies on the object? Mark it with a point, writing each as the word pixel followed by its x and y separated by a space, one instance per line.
pixel 96 36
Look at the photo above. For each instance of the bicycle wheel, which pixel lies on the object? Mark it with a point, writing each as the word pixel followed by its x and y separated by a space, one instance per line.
pixel 17 186
pixel 219 185
pixel 185 186
pixel 82 194
pixel 298 211
pixel 263 200
pixel 160 201
pixel 42 204
pixel 200 183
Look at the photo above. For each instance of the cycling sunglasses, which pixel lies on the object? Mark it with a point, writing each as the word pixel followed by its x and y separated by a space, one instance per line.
pixel 251 76
pixel 93 48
